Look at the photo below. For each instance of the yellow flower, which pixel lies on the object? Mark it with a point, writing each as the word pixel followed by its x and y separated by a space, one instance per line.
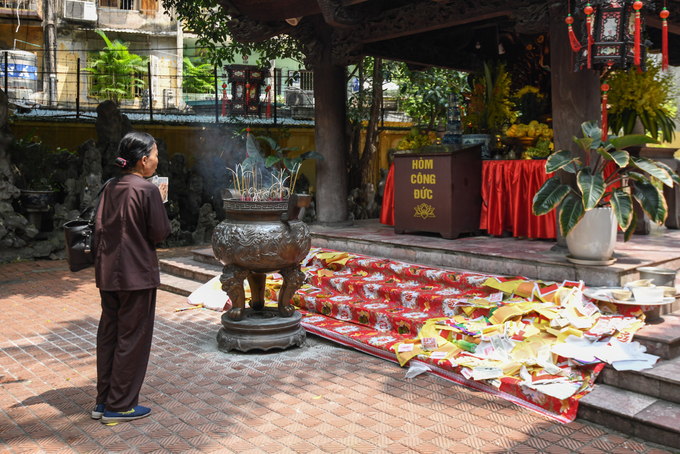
pixel 642 92
pixel 528 89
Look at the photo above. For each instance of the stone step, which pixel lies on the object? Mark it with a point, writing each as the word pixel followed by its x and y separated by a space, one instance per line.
pixel 634 414
pixel 189 268
pixel 662 336
pixel 206 256
pixel 506 256
pixel 661 339
pixel 662 381
pixel 178 285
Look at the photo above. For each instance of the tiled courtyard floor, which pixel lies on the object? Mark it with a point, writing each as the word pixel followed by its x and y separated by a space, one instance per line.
pixel 319 398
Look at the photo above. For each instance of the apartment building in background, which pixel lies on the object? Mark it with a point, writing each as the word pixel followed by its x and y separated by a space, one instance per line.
pixel 47 41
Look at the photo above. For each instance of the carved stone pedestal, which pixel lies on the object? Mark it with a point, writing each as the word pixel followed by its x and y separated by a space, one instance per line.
pixel 261 330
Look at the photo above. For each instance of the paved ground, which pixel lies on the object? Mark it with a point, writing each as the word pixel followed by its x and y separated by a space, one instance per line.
pixel 319 398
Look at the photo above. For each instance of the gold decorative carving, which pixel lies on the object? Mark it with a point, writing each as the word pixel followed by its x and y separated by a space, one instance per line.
pixel 424 211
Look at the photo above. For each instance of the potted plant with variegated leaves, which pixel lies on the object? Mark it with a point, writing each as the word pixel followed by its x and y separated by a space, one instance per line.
pixel 590 212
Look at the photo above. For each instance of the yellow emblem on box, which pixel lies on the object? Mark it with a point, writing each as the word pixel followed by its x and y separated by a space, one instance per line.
pixel 424 211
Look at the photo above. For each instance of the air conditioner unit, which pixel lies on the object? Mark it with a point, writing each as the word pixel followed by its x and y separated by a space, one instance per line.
pixel 80 10
pixel 168 98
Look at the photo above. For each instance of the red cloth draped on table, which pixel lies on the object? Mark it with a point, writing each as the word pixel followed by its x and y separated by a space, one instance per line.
pixel 387 209
pixel 508 189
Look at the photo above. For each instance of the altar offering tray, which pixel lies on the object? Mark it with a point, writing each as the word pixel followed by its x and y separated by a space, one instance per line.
pixel 605 294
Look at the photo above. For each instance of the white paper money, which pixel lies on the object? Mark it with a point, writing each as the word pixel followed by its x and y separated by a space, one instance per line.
pixel 486 373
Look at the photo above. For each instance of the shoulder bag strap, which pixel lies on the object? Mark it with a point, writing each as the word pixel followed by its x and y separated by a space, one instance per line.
pixel 96 198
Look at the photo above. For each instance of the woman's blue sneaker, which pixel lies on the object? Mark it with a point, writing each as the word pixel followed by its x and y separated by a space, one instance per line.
pixel 119 416
pixel 98 411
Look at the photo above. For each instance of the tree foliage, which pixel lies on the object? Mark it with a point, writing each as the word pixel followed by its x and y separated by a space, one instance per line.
pixel 207 19
pixel 115 71
pixel 198 77
pixel 424 95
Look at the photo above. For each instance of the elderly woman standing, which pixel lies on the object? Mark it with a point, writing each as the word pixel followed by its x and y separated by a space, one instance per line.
pixel 130 221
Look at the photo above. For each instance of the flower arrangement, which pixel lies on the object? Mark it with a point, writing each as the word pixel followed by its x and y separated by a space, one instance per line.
pixel 489 100
pixel 649 96
pixel 414 139
pixel 530 104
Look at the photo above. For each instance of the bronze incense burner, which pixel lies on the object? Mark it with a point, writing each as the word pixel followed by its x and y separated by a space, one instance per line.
pixel 259 237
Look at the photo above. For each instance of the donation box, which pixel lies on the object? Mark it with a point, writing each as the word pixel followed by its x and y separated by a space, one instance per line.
pixel 438 189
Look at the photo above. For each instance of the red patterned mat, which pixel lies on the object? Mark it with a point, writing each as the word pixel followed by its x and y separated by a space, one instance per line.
pixel 377 305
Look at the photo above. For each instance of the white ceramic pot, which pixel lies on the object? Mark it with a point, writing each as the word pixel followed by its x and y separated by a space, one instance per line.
pixel 594 238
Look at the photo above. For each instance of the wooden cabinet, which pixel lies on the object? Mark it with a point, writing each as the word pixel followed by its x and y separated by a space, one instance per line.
pixel 438 189
pixel 246 85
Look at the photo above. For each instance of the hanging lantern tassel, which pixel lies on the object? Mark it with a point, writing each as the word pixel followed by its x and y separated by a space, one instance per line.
pixel 605 126
pixel 573 40
pixel 637 6
pixel 589 29
pixel 664 39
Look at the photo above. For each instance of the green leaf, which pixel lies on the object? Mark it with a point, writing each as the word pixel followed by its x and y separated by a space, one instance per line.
pixel 651 168
pixel 271 160
pixel 651 200
pixel 592 187
pixel 272 143
pixel 549 196
pixel 622 204
pixel 604 153
pixel 312 155
pixel 647 124
pixel 592 130
pixel 560 160
pixel 631 227
pixel 571 213
pixel 674 176
pixel 252 150
pixel 288 163
pixel 631 140
pixel 630 117
pixel 621 157
pixel 249 163
pixel 636 176
pixel 584 142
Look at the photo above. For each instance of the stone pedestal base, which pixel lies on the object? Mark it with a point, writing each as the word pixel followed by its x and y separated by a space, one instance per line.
pixel 261 330
pixel 34 216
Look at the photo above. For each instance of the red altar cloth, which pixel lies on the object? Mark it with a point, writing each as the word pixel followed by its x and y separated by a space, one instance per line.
pixel 387 209
pixel 508 189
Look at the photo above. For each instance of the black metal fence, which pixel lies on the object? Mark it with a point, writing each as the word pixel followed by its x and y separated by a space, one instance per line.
pixel 151 87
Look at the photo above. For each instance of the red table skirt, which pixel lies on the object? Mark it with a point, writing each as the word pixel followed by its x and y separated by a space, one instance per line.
pixel 508 189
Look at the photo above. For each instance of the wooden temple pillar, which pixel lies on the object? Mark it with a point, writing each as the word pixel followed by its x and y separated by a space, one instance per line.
pixel 330 131
pixel 575 94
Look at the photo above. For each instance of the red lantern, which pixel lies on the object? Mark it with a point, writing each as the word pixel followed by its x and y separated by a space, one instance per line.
pixel 609 33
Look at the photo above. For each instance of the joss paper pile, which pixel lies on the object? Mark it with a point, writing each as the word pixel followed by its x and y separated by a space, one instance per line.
pixel 538 344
